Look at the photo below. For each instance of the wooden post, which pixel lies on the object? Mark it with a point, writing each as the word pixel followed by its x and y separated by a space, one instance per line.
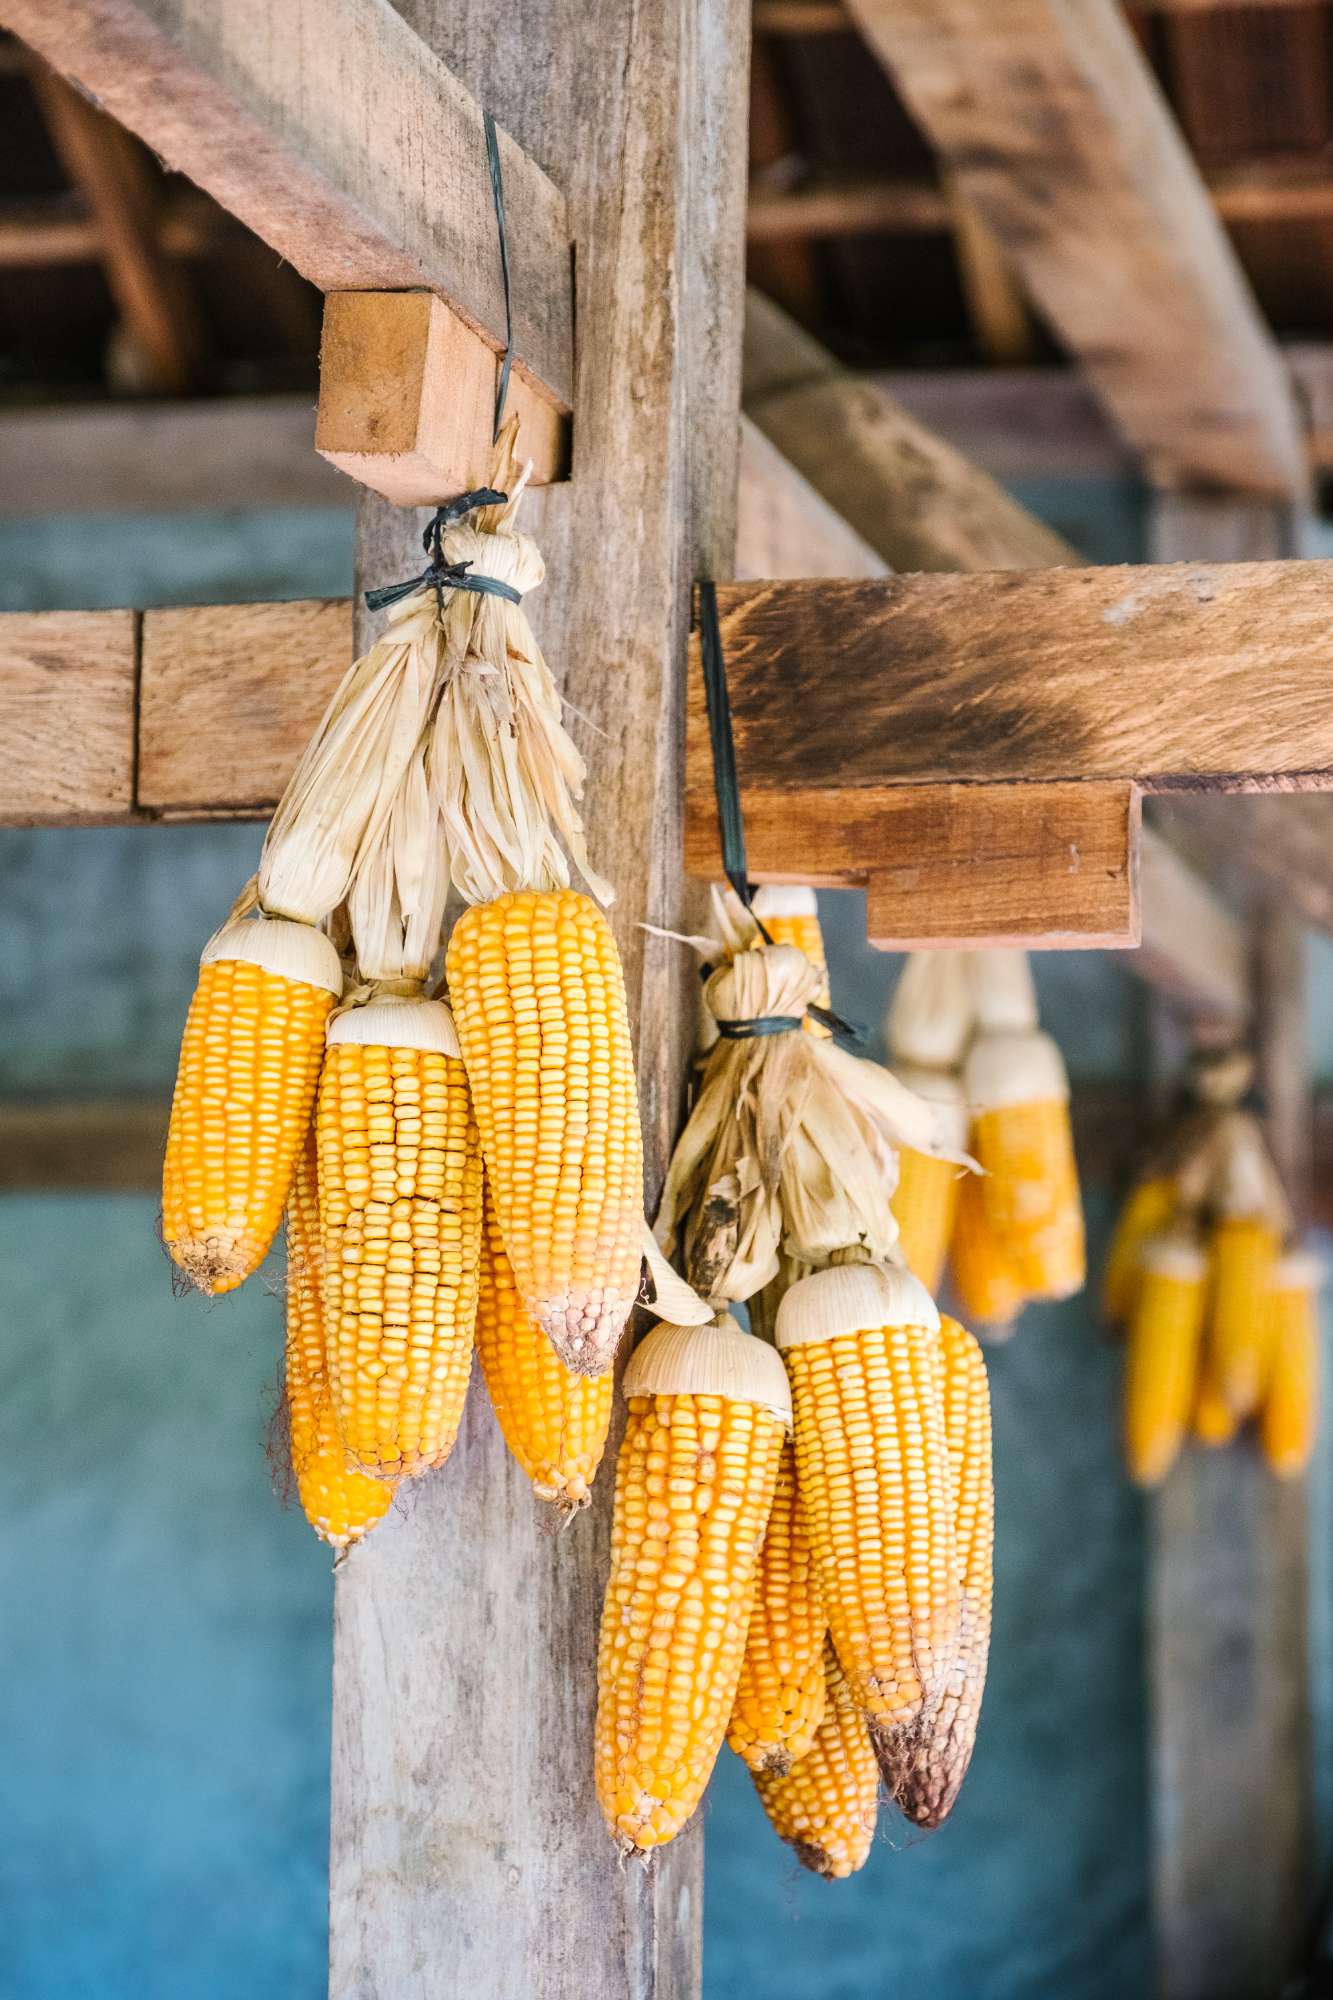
pixel 1228 1581
pixel 468 1854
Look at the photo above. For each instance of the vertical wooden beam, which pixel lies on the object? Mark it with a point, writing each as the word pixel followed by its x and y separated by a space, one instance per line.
pixel 468 1854
pixel 1229 1578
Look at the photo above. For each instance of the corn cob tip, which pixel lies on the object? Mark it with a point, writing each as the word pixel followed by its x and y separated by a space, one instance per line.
pixel 218 1262
pixel 585 1329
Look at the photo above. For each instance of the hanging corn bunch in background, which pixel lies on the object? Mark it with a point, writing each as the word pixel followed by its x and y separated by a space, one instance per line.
pixel 1221 1318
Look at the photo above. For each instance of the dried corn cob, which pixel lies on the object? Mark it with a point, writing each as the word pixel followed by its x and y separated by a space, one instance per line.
pixel 1016 1085
pixel 1162 1356
pixel 249 1063
pixel 984 1278
pixel 861 1344
pixel 925 1201
pixel 554 1422
pixel 825 1805
pixel 1213 1422
pixel 1290 1413
pixel 924 1767
pixel 932 1012
pixel 400 1192
pixel 539 998
pixel 1243 1251
pixel 780 1698
pixel 340 1505
pixel 1147 1210
pixel 708 1411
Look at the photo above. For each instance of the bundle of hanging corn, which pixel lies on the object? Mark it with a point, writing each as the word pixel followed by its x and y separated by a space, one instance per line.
pixel 1220 1306
pixel 801 1555
pixel 963 1028
pixel 476 1168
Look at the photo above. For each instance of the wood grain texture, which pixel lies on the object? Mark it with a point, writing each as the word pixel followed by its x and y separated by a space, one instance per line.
pixel 331 130
pixel 407 400
pixel 67 694
pixel 908 494
pixel 1052 866
pixel 468 1855
pixel 784 527
pixel 1214 675
pixel 1050 118
pixel 229 697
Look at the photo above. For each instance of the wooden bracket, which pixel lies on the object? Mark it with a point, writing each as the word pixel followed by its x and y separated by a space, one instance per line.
pixel 407 400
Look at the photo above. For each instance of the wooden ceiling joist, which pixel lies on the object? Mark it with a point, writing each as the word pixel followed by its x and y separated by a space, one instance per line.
pixel 1049 117
pixel 917 503
pixel 337 135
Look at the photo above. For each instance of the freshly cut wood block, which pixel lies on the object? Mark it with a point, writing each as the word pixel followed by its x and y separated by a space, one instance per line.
pixel 67 716
pixel 230 695
pixel 407 400
pixel 1043 866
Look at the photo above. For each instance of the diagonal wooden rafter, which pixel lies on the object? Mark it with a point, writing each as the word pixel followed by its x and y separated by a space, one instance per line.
pixel 1048 116
pixel 342 140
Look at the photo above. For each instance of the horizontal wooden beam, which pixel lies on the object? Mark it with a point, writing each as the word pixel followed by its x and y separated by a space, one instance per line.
pixel 164 458
pixel 1048 115
pixel 331 130
pixel 82 1146
pixel 1201 675
pixel 109 717
pixel 1260 190
pixel 907 493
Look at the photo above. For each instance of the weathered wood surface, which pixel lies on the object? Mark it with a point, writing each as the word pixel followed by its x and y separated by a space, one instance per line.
pixel 468 1853
pixel 1194 950
pixel 229 695
pixel 1191 674
pixel 784 527
pixel 407 400
pixel 1048 114
pixel 337 135
pixel 971 865
pixel 1229 1577
pixel 165 458
pixel 909 495
pixel 67 687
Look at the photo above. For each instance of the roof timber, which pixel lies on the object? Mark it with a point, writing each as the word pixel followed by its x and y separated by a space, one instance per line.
pixel 1048 116
pixel 336 134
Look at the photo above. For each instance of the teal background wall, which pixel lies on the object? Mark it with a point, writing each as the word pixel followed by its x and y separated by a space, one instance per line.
pixel 165 1637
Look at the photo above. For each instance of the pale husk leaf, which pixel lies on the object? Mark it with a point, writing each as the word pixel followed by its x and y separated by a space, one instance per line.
pixel 791 1146
pixel 397 1024
pixel 672 1299
pixel 1246 1182
pixel 852 1298
pixel 930 1016
pixel 295 950
pixel 397 898
pixel 1003 994
pixel 716 1359
pixel 1014 1066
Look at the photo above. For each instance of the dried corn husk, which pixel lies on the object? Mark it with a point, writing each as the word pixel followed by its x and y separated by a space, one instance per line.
pixel 1003 995
pixel 504 772
pixel 791 1148
pixel 931 1014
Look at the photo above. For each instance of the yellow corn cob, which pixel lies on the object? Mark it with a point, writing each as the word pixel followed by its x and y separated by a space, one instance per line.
pixel 825 1805
pixel 1022 1139
pixel 245 1087
pixel 925 1204
pixel 1213 1422
pixel 1290 1414
pixel 1162 1355
pixel 924 1767
pixel 780 1699
pixel 695 1481
pixel 1147 1210
pixel 539 996
pixel 984 1278
pixel 1243 1251
pixel 400 1191
pixel 340 1505
pixel 554 1422
pixel 861 1344
pixel 790 915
